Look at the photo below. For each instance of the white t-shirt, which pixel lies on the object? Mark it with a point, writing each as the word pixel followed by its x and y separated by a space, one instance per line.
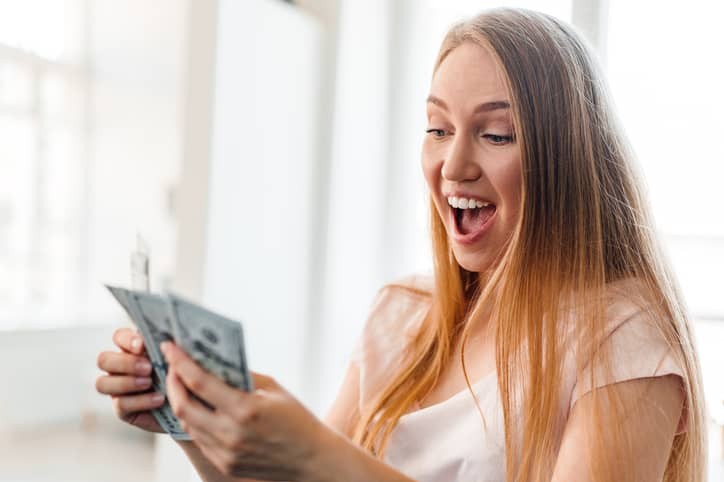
pixel 446 441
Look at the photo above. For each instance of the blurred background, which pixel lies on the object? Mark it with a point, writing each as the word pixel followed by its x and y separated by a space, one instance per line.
pixel 269 151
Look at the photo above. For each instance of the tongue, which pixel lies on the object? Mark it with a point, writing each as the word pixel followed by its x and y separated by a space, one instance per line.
pixel 472 220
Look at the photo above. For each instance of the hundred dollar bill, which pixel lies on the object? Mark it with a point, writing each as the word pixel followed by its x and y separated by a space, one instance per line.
pixel 149 313
pixel 152 318
pixel 213 341
pixel 140 281
pixel 140 277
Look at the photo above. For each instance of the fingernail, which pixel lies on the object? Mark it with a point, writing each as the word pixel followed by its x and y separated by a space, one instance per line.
pixel 164 347
pixel 143 367
pixel 143 381
pixel 136 343
pixel 157 397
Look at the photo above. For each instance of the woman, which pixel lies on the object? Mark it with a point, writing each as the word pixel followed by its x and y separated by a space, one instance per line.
pixel 549 293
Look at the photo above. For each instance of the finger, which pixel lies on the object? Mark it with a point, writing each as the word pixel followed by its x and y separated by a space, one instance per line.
pixel 214 455
pixel 128 340
pixel 137 403
pixel 200 382
pixel 202 437
pixel 124 363
pixel 119 385
pixel 193 413
pixel 263 382
pixel 214 427
pixel 211 439
pixel 224 428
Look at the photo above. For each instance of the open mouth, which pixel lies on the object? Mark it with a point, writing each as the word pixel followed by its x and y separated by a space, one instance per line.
pixel 472 220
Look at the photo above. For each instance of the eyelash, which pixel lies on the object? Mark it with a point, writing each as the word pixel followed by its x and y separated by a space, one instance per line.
pixel 494 138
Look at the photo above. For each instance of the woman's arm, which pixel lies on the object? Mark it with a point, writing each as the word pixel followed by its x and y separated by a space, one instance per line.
pixel 204 468
pixel 343 414
pixel 652 406
pixel 343 460
pixel 266 434
pixel 340 417
pixel 349 462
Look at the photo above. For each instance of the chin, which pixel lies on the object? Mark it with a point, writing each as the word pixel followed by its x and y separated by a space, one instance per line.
pixel 471 261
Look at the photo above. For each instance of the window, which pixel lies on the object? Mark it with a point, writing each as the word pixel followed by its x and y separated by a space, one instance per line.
pixel 668 91
pixel 44 99
pixel 668 87
pixel 89 151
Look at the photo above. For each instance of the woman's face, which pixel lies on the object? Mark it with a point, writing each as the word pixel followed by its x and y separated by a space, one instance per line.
pixel 470 156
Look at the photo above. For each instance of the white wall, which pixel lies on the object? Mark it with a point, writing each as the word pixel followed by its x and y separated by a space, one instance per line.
pixel 247 227
pixel 137 63
pixel 260 222
pixel 48 376
pixel 357 188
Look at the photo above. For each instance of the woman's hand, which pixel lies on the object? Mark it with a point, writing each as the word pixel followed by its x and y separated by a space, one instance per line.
pixel 266 434
pixel 128 381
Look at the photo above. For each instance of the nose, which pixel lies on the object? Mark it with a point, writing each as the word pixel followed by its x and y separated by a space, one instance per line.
pixel 459 164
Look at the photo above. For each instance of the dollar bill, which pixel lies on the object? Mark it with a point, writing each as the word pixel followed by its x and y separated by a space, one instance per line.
pixel 140 265
pixel 152 318
pixel 149 313
pixel 213 341
pixel 140 282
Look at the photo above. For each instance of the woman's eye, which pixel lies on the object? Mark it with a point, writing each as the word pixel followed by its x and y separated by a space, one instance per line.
pixel 436 131
pixel 498 139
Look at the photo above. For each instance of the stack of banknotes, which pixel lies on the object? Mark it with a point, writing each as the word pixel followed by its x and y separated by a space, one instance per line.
pixel 213 341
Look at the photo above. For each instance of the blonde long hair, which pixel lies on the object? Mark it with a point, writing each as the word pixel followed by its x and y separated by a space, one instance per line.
pixel 584 223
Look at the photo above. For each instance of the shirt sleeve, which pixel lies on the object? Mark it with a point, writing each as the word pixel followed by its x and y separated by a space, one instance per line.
pixel 368 335
pixel 637 350
pixel 394 317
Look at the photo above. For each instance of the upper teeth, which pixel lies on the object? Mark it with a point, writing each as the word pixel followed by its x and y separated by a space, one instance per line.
pixel 464 203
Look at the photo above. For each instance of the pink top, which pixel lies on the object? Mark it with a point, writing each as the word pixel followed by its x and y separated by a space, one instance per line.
pixel 446 441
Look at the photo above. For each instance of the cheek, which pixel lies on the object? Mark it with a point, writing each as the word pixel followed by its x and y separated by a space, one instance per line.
pixel 512 186
pixel 431 172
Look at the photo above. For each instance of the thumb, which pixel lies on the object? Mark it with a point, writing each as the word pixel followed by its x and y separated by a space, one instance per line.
pixel 264 382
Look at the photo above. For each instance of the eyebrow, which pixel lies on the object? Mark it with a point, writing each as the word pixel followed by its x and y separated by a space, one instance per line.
pixel 484 107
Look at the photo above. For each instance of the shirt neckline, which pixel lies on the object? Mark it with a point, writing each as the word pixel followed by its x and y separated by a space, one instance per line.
pixel 416 409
